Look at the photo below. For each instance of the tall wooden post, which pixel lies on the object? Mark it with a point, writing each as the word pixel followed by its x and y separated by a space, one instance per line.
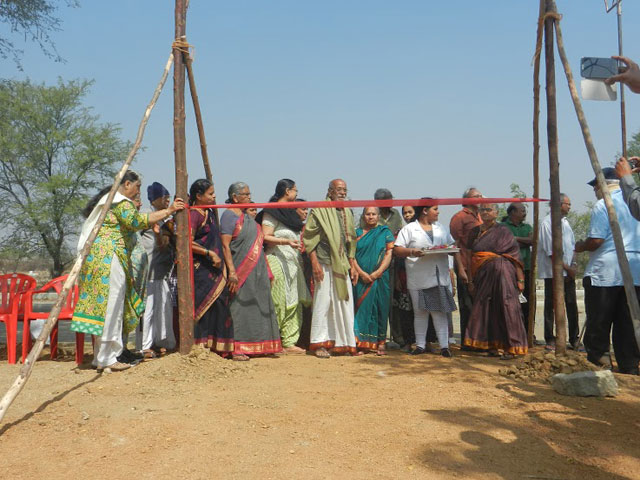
pixel 533 301
pixel 554 182
pixel 616 233
pixel 185 293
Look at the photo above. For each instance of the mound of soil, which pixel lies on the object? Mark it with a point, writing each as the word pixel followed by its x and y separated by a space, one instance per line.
pixel 541 365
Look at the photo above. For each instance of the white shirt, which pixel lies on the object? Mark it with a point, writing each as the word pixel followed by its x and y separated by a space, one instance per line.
pixel 421 271
pixel 603 266
pixel 545 249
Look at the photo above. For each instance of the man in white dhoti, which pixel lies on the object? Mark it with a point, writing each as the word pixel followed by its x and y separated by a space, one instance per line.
pixel 329 239
pixel 157 325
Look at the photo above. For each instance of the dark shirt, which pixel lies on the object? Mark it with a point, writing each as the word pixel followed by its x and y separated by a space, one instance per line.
pixel 522 230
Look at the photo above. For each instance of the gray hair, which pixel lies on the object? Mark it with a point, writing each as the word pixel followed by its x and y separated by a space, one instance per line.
pixel 467 192
pixel 383 194
pixel 370 206
pixel 234 189
pixel 563 197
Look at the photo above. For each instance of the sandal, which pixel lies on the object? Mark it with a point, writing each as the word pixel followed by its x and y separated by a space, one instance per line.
pixel 493 353
pixel 149 354
pixel 417 351
pixel 114 367
pixel 507 356
pixel 322 353
pixel 381 352
pixel 240 357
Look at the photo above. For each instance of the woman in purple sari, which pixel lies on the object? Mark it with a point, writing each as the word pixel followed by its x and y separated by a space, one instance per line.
pixel 213 321
pixel 255 327
pixel 497 281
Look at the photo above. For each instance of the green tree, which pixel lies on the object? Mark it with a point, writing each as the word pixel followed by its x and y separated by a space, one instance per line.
pixel 34 20
pixel 516 192
pixel 53 154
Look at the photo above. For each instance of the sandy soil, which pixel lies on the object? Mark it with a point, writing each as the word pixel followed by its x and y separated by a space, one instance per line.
pixel 295 417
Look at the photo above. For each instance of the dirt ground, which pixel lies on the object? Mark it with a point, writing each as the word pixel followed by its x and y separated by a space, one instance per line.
pixel 292 417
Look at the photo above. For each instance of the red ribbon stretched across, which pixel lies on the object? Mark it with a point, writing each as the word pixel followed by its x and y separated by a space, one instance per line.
pixel 415 202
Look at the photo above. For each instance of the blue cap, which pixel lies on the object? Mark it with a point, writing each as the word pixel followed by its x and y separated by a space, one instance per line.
pixel 155 191
pixel 609 174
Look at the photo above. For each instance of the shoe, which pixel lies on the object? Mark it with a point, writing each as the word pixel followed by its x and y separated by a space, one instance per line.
pixel 406 348
pixel 114 367
pixel 445 352
pixel 417 351
pixel 602 362
pixel 507 356
pixel 129 357
pixel 391 345
pixel 550 345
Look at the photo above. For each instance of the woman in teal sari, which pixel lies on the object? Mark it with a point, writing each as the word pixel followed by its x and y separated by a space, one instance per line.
pixel 371 294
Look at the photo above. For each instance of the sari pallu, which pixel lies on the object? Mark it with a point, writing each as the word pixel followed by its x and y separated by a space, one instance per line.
pixel 255 327
pixel 213 327
pixel 371 300
pixel 496 316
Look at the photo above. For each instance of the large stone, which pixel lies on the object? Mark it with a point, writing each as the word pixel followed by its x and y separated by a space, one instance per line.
pixel 586 384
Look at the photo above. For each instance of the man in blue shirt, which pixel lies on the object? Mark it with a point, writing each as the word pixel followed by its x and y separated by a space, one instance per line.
pixel 605 300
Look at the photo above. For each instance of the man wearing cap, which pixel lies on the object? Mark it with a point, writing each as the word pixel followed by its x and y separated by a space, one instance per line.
pixel 159 242
pixel 604 295
pixel 545 271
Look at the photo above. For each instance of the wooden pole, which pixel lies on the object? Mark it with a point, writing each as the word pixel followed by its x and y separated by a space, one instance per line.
pixel 196 108
pixel 29 362
pixel 198 113
pixel 554 183
pixel 632 299
pixel 536 178
pixel 185 290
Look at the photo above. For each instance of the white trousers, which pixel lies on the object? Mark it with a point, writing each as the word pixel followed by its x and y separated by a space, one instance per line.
pixel 157 322
pixel 332 318
pixel 108 346
pixel 421 323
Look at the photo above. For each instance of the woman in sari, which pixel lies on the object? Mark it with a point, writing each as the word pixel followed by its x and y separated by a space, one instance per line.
pixel 107 298
pixel 497 279
pixel 282 228
pixel 255 328
pixel 214 327
pixel 374 250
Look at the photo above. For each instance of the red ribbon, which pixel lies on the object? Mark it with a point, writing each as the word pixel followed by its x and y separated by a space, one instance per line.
pixel 415 202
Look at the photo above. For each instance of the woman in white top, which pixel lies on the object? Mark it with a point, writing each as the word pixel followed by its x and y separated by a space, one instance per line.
pixel 428 279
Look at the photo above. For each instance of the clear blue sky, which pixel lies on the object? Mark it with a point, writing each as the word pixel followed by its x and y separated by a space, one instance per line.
pixel 425 98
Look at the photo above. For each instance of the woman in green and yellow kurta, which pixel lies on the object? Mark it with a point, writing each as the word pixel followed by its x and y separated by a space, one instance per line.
pixel 108 303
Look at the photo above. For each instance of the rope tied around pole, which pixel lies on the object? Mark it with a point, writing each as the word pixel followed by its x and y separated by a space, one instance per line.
pixel 181 45
pixel 554 15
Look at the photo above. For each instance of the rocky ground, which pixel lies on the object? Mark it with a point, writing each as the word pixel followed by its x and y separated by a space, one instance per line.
pixel 200 416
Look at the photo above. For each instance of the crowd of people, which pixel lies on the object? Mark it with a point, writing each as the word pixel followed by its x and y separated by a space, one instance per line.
pixel 286 280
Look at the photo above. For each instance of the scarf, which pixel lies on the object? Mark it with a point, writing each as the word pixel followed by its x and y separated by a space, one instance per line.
pixel 90 222
pixel 327 220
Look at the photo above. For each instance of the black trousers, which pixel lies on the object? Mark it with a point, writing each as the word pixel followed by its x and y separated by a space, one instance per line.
pixel 572 309
pixel 465 302
pixel 607 307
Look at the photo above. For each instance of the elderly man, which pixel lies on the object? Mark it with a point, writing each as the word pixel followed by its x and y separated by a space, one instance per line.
pixel 523 232
pixel 545 271
pixel 605 299
pixel 330 240
pixel 388 216
pixel 462 223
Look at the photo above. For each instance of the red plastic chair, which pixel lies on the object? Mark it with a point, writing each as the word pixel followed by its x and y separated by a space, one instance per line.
pixel 13 287
pixel 65 314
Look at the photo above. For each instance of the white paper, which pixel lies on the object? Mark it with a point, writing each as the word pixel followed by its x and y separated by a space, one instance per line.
pixel 598 90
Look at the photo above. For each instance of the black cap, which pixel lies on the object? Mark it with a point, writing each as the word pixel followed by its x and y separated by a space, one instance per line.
pixel 609 174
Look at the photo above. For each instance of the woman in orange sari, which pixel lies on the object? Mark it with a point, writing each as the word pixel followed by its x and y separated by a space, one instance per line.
pixel 497 281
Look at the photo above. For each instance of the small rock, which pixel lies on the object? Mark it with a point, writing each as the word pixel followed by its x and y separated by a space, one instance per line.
pixel 549 356
pixel 586 384
pixel 85 416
